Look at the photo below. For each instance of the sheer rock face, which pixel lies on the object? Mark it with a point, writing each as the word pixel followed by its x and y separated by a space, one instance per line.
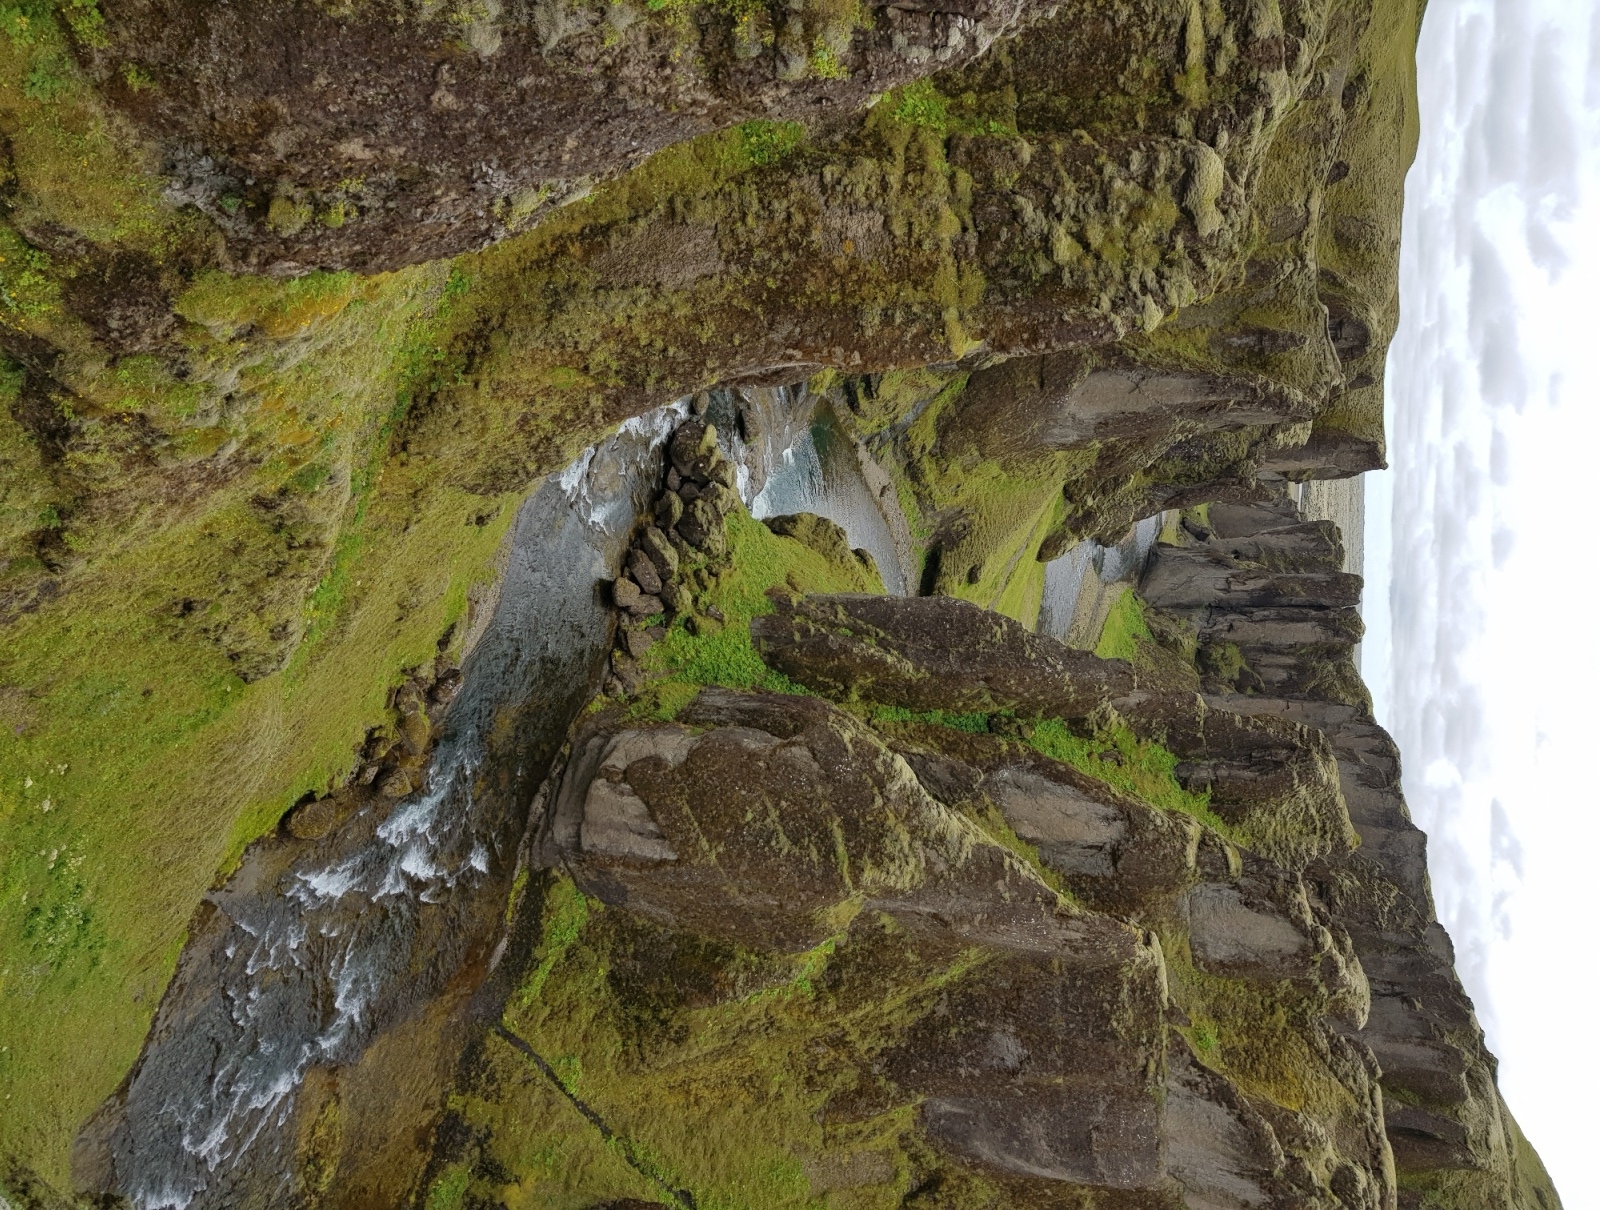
pixel 1451 1134
pixel 1054 1060
pixel 1011 983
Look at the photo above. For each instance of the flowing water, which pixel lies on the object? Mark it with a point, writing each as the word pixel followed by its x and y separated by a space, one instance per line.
pixel 310 949
pixel 1081 586
pixel 794 456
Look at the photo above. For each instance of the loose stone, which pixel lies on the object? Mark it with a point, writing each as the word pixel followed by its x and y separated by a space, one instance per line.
pixel 644 573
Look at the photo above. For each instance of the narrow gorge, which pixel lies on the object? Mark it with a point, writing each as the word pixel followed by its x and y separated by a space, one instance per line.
pixel 709 604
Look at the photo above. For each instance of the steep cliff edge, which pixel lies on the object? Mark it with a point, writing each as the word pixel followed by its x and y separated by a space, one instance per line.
pixel 298 307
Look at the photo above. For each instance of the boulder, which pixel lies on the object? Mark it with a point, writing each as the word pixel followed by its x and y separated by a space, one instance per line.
pixel 932 653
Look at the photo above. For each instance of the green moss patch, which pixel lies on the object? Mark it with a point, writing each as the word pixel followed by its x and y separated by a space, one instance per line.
pixel 1124 629
pixel 721 653
pixel 1122 760
pixel 1111 753
pixel 1260 1035
pixel 740 1079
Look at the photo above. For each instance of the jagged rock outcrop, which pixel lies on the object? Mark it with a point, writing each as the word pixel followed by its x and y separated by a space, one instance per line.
pixel 1268 584
pixel 372 137
pixel 932 653
pixel 1069 1050
pixel 1291 1001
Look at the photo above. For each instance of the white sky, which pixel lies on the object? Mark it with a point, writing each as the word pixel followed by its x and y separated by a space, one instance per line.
pixel 1486 665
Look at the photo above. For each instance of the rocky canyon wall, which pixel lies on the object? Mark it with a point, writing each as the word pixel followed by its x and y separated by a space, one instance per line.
pixel 437 770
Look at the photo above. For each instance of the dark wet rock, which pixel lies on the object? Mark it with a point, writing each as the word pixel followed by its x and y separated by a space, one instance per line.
pixel 1268 601
pixel 646 606
pixel 1116 853
pixel 1029 1075
pixel 762 821
pixel 673 596
pixel 669 510
pixel 655 546
pixel 1226 1153
pixel 1229 934
pixel 1064 400
pixel 1274 779
pixel 637 642
pixel 1182 578
pixel 655 580
pixel 315 819
pixel 699 525
pixel 1073 832
pixel 625 593
pixel 643 572
pixel 693 450
pixel 1263 925
pixel 759 824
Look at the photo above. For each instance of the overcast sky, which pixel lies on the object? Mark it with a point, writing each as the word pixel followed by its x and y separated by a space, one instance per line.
pixel 1486 663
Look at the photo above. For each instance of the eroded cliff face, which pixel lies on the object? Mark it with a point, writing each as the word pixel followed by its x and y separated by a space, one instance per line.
pixel 827 896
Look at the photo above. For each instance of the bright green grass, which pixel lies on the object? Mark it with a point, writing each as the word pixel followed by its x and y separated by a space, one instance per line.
pixel 1142 769
pixel 1124 630
pixel 977 724
pixel 722 654
pixel 1112 754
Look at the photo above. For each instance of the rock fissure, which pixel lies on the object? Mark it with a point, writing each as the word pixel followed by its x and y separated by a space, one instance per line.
pixel 680 1197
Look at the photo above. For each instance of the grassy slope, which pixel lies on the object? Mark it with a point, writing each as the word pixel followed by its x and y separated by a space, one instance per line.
pixel 135 763
pixel 138 764
pixel 722 653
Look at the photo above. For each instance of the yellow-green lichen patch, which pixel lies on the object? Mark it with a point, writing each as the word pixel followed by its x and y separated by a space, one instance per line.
pixel 1122 760
pixel 1124 629
pixel 69 168
pixel 1256 1033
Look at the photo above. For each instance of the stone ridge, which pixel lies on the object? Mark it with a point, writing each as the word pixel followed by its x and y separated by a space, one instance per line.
pixel 1104 966
pixel 1136 1005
